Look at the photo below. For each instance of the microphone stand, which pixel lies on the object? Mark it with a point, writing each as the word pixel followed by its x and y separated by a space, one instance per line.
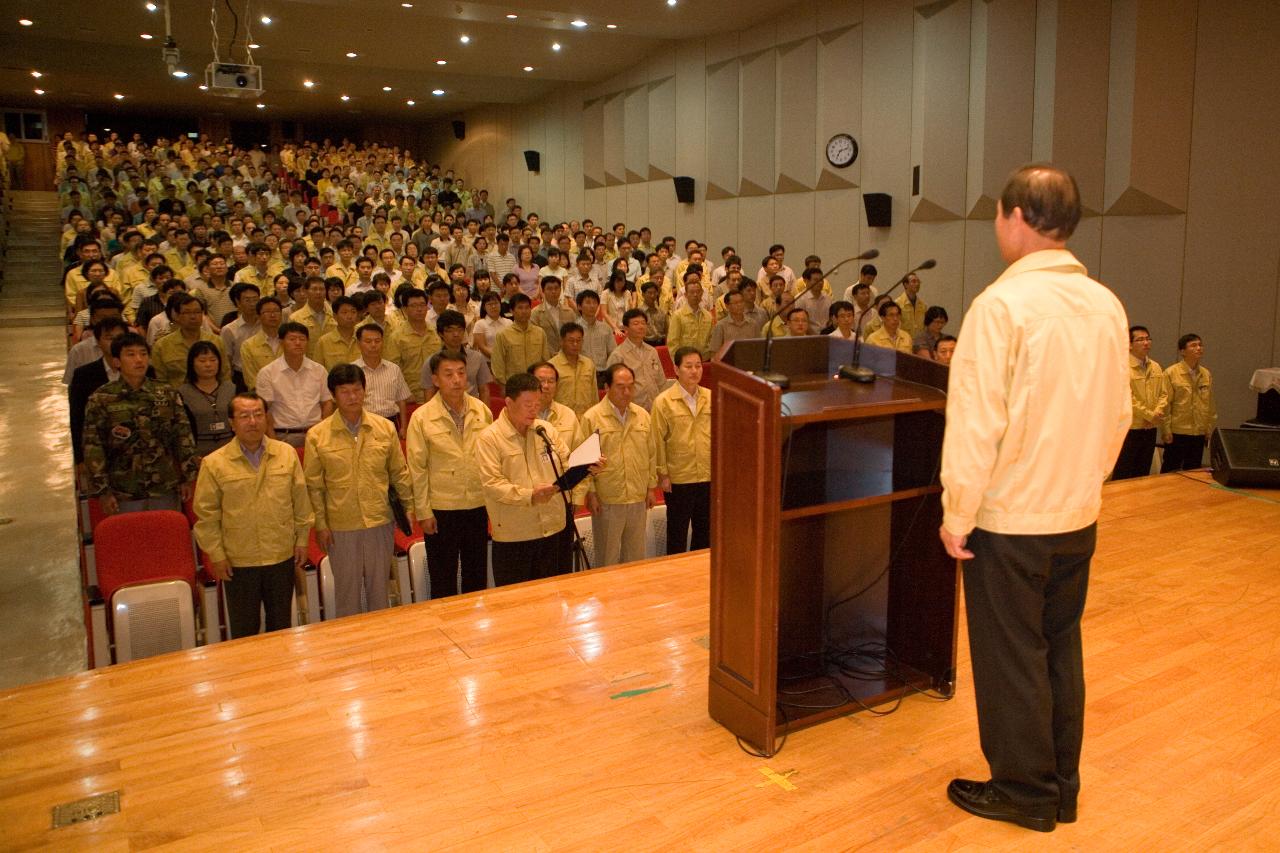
pixel 855 371
pixel 766 372
pixel 579 550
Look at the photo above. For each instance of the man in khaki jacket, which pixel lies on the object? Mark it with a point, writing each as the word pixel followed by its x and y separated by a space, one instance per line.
pixel 351 460
pixel 446 480
pixel 253 516
pixel 682 443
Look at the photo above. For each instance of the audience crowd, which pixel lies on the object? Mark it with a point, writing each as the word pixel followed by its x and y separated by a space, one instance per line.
pixel 430 354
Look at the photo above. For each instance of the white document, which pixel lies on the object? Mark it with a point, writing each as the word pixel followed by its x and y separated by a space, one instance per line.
pixel 587 453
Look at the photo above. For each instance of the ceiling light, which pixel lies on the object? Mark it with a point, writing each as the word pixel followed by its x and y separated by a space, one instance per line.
pixel 26 22
pixel 465 39
pixel 528 68
pixel 610 26
pixel 345 98
pixel 266 19
pixel 107 129
pixel 437 91
pixel 671 2
pixel 204 88
pixel 262 106
pixel 410 102
pixel 39 91
pixel 511 16
pixel 147 36
pixel 118 96
pixel 386 88
pixel 442 62
pixel 579 23
pixel 407 5
pixel 253 46
pixel 151 7
pixel 37 74
pixel 180 74
pixel 555 45
pixel 310 84
pixel 351 54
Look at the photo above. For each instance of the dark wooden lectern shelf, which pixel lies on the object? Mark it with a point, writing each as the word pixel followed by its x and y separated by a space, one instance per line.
pixel 826 505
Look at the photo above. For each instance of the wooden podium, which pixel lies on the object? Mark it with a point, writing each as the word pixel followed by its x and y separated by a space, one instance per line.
pixel 826 506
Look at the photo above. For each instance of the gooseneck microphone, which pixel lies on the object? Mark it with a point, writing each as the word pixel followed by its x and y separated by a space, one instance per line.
pixel 855 371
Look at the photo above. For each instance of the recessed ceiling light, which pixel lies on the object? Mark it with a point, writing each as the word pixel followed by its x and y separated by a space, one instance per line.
pixel 39 91
pixel 437 91
pixel 407 5
pixel 442 62
pixel 107 129
pixel 671 2
pixel 528 68
pixel 146 36
pixel 180 74
pixel 410 102
pixel 204 88
pixel 555 45
pixel 37 74
pixel 351 54
pixel 465 39
pixel 345 98
pixel 310 84
pixel 266 19
pixel 151 7
pixel 610 26
pixel 262 106
pixel 386 88
pixel 26 22
pixel 578 22
pixel 511 16
pixel 118 96
pixel 253 46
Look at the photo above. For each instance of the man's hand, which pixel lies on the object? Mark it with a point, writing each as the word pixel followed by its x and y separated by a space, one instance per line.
pixel 324 539
pixel 186 492
pixel 299 557
pixel 1157 418
pixel 955 544
pixel 598 467
pixel 664 483
pixel 649 500
pixel 108 503
pixel 593 503
pixel 429 526
pixel 544 493
pixel 221 569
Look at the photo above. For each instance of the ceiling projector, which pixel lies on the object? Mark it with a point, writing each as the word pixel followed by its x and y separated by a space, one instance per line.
pixel 232 80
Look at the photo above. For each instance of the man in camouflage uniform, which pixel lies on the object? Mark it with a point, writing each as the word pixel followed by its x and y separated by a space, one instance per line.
pixel 138 449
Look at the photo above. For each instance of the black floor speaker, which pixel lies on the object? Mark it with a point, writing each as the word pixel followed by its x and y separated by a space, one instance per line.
pixel 1246 457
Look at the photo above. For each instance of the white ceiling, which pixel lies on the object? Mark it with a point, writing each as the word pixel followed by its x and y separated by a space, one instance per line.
pixel 90 50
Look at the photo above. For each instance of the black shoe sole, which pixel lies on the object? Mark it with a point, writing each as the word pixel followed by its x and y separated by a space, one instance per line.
pixel 1038 824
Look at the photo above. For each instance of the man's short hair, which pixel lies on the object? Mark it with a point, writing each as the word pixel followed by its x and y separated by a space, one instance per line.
pixel 587 294
pixel 569 328
pixel 842 305
pixel 344 301
pixel 794 311
pixel 240 287
pixel 368 327
pixel 450 319
pixel 345 374
pixel 519 299
pixel 869 269
pixel 1048 197
pixel 611 373
pixel 128 339
pixel 1133 329
pixel 248 396
pixel 683 353
pixel 935 312
pixel 633 313
pixel 519 383
pixel 887 306
pixel 538 365
pixel 1190 337
pixel 292 327
pixel 444 355
pixel 108 324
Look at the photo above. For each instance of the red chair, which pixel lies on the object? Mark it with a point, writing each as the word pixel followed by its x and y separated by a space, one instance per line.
pixel 496 405
pixel 668 366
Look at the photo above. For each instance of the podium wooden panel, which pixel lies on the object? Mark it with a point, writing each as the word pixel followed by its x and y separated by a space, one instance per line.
pixel 826 505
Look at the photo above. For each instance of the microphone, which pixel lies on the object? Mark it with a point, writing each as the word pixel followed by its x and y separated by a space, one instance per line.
pixel 765 372
pixel 541 431
pixel 854 371
pixel 869 254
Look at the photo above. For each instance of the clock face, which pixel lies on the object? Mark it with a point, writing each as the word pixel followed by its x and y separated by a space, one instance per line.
pixel 842 150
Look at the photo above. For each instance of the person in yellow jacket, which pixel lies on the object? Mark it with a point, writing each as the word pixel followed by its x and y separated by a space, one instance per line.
pixel 519 345
pixel 1193 413
pixel 576 374
pixel 447 492
pixel 682 445
pixel 1150 392
pixel 169 357
pixel 620 496
pixel 253 515
pixel 890 335
pixel 339 345
pixel 352 458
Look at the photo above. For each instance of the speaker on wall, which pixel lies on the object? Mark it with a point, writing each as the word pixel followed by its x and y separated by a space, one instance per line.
pixel 879 209
pixel 459 129
pixel 533 160
pixel 684 189
pixel 1246 457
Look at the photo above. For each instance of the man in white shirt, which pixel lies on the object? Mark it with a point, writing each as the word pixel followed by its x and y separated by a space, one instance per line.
pixel 1022 474
pixel 295 387
pixel 386 392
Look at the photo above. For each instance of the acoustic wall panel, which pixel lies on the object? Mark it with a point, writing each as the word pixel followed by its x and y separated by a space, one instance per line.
pixel 722 128
pixel 692 138
pixel 662 209
pixel 594 205
pixel 661 129
pixel 839 102
pixel 615 169
pixel 637 206
pixel 1072 56
pixel 574 188
pixel 554 157
pixel 1149 106
pixel 793 222
pixel 943 285
pixel 939 109
pixel 635 139
pixel 797 126
pixel 756 231
pixel 757 131
pixel 835 233
pixel 1142 264
pixel 982 265
pixel 593 172
pixel 722 229
pixel 888 36
pixel 1000 99
pixel 615 205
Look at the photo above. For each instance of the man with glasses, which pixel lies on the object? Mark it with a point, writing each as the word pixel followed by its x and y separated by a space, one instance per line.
pixel 1150 394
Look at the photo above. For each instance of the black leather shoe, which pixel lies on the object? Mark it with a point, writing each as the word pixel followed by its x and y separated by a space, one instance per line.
pixel 985 800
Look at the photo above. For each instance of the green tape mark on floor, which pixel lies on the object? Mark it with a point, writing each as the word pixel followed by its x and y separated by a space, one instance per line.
pixel 639 691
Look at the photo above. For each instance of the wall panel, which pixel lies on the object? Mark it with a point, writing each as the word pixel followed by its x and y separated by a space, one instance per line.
pixel 940 110
pixel 757 133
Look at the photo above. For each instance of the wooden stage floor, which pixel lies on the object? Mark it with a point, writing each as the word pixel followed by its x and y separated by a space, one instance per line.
pixel 571 714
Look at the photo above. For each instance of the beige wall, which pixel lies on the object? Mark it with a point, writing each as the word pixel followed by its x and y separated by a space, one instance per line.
pixel 1165 111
